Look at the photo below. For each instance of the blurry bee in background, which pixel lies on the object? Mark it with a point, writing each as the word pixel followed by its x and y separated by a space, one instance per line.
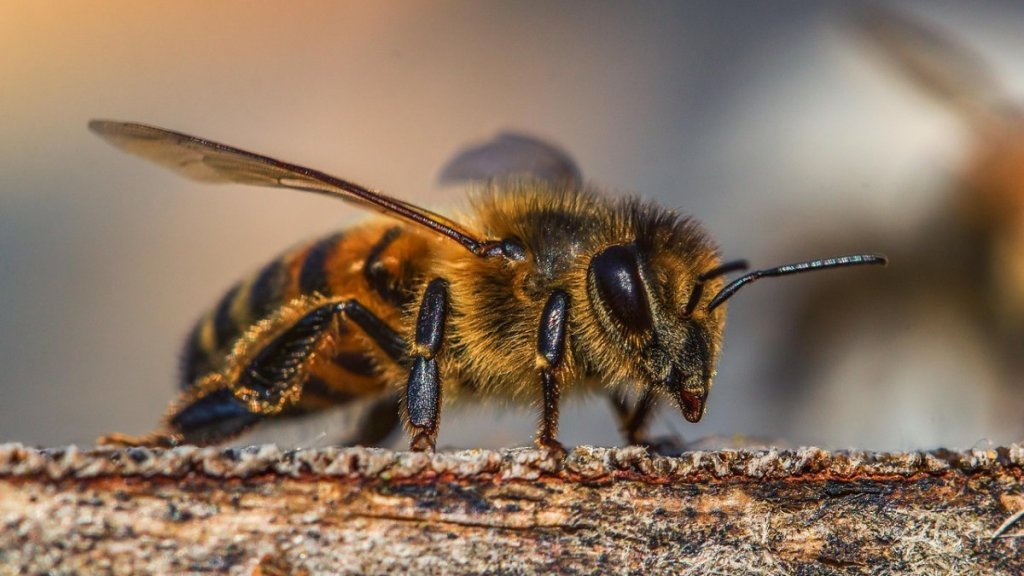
pixel 950 320
pixel 547 287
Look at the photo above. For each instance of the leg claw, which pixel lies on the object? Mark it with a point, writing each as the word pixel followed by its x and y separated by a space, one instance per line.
pixel 151 440
pixel 553 447
pixel 422 442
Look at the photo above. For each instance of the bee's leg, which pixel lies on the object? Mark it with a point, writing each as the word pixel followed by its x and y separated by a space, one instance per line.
pixel 423 391
pixel 273 379
pixel 269 384
pixel 199 417
pixel 211 418
pixel 633 420
pixel 550 351
pixel 155 439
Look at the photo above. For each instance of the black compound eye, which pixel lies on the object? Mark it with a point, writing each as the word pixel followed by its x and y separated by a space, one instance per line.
pixel 615 272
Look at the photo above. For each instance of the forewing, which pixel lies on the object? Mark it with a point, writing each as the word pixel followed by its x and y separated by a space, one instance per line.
pixel 208 161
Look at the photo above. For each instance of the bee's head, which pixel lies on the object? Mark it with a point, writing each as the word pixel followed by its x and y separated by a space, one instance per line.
pixel 659 314
pixel 640 296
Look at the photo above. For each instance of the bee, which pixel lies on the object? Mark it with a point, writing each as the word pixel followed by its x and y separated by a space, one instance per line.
pixel 546 287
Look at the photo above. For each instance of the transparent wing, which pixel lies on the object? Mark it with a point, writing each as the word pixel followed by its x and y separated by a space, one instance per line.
pixel 509 155
pixel 208 161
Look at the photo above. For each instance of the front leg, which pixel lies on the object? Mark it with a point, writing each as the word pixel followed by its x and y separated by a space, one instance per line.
pixel 633 419
pixel 423 390
pixel 550 353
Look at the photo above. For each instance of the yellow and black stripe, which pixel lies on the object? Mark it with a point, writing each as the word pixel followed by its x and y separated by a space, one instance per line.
pixel 371 264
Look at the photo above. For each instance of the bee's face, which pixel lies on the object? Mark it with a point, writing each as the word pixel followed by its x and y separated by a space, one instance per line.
pixel 639 298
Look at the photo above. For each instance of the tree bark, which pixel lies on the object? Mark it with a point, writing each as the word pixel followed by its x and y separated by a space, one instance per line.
pixel 327 511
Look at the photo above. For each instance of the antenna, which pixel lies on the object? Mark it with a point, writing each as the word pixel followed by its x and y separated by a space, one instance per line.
pixel 787 269
pixel 698 289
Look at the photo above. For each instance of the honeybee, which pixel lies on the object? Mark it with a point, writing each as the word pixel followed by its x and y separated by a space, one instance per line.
pixel 547 286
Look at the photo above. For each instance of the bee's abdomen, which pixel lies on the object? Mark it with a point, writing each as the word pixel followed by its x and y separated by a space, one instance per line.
pixel 244 304
pixel 194 358
pixel 314 274
pixel 375 264
pixel 267 291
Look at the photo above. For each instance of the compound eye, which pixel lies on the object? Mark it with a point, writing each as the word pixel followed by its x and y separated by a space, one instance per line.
pixel 616 274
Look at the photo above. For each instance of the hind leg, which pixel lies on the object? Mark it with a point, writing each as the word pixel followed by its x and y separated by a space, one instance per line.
pixel 263 379
pixel 195 419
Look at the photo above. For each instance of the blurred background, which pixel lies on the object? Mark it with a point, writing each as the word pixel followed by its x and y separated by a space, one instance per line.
pixel 792 130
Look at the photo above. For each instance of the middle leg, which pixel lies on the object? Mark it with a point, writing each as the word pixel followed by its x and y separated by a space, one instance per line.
pixel 423 390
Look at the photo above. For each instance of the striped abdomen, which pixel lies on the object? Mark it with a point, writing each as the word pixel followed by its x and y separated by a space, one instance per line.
pixel 377 264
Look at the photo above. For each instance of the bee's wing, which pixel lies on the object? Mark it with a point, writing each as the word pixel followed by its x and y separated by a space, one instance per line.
pixel 509 155
pixel 208 161
pixel 934 61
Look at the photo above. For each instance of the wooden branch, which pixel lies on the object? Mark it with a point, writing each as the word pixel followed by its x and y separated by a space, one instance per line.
pixel 260 511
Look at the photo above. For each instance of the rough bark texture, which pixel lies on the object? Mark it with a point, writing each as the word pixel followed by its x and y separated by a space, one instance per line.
pixel 326 511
